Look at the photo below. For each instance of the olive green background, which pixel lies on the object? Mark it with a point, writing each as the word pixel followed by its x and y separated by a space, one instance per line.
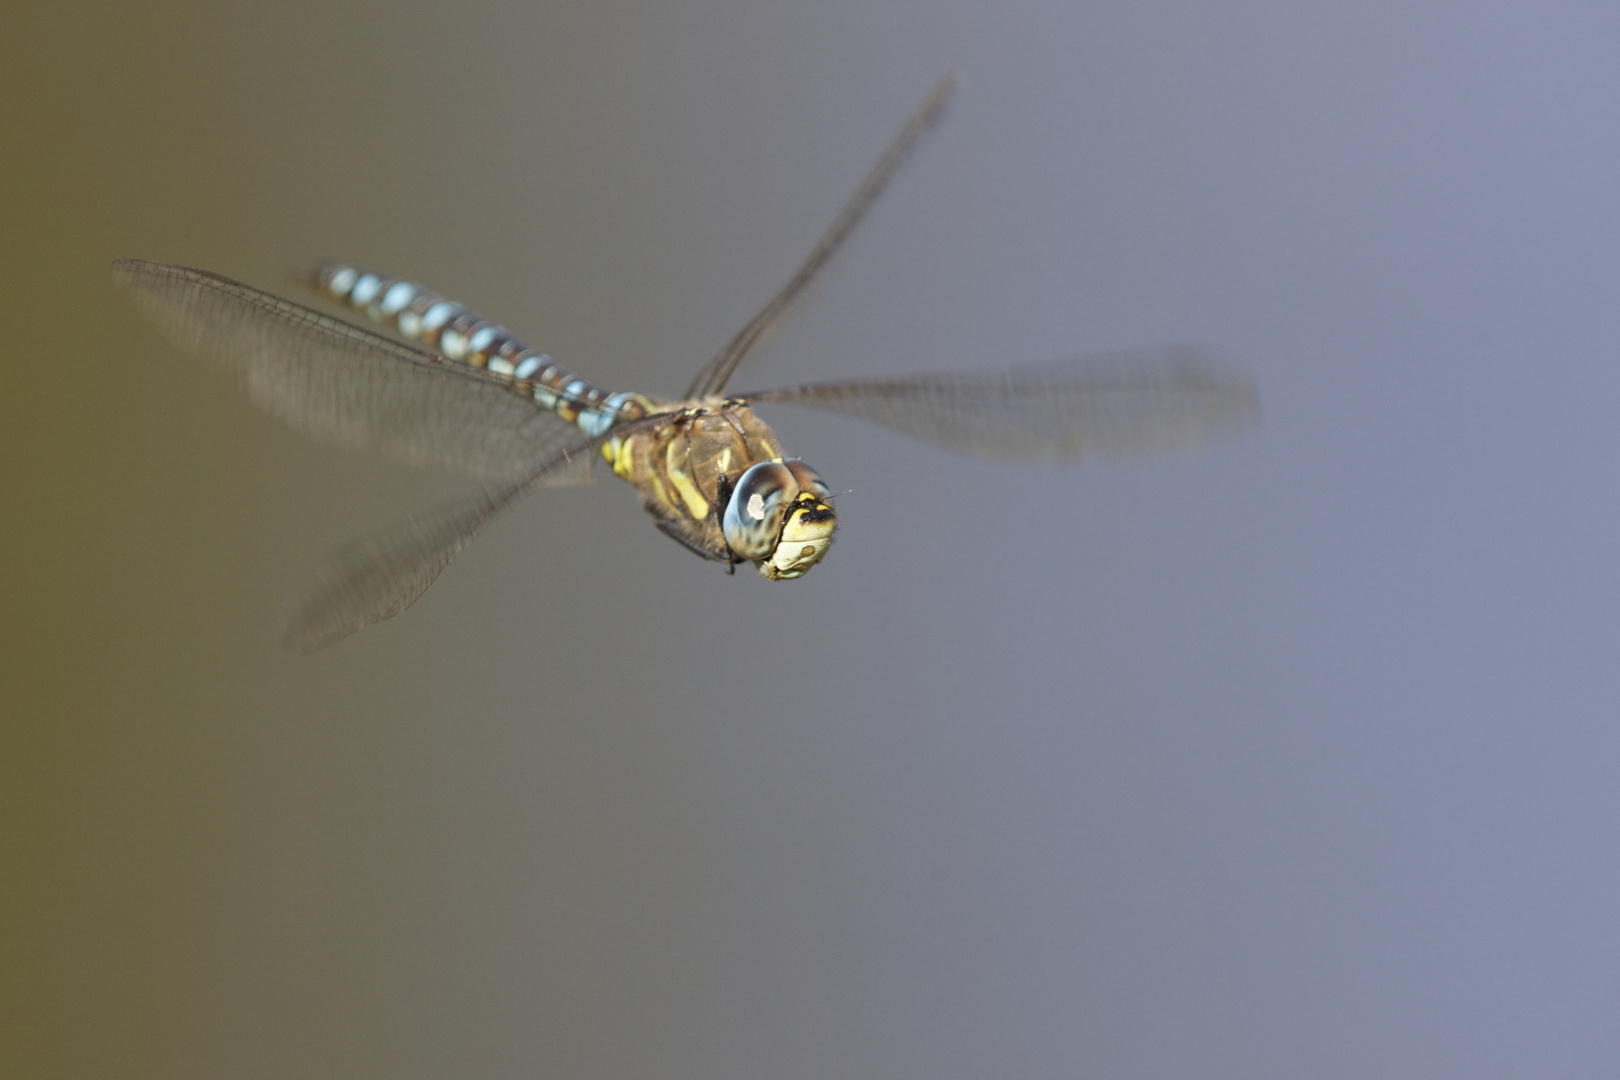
pixel 1293 760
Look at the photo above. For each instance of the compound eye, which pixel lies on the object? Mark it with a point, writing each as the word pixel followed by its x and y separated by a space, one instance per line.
pixel 752 522
pixel 808 478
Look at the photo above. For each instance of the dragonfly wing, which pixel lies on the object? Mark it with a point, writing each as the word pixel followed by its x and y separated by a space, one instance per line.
pixel 348 385
pixel 717 373
pixel 379 576
pixel 1129 403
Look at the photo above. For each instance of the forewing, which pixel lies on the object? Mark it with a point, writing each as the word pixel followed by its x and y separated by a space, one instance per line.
pixel 717 373
pixel 348 385
pixel 1126 403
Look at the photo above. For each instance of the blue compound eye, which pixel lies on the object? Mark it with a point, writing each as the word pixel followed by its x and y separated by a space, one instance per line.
pixel 752 522
pixel 808 478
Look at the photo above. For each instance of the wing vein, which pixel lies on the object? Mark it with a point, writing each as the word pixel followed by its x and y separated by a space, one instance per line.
pixel 346 384
pixel 1128 403
pixel 717 373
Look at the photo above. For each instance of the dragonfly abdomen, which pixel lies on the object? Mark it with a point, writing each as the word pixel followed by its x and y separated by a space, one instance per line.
pixel 460 333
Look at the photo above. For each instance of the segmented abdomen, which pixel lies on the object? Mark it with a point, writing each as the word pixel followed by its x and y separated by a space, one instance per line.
pixel 462 334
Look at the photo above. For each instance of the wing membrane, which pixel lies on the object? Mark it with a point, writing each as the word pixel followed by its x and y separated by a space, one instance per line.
pixel 717 372
pixel 379 576
pixel 348 385
pixel 1138 402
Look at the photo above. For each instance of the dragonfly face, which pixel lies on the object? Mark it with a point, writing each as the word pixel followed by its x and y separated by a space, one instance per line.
pixel 780 518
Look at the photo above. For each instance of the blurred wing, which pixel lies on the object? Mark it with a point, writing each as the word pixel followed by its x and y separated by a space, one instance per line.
pixel 379 576
pixel 347 385
pixel 717 373
pixel 1137 402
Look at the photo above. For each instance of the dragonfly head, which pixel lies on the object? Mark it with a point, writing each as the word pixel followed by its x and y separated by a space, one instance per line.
pixel 780 518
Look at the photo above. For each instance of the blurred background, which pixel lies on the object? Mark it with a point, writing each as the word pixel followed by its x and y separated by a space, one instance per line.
pixel 1295 759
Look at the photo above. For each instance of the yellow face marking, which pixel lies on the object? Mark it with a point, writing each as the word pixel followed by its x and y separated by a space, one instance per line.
pixel 798 531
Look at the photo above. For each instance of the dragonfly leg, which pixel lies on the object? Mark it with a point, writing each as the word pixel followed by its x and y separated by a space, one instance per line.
pixel 722 499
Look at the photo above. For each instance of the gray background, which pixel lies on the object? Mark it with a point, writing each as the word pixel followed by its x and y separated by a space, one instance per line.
pixel 1298 759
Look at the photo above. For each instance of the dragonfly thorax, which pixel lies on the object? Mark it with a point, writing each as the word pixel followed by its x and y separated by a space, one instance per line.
pixel 715 479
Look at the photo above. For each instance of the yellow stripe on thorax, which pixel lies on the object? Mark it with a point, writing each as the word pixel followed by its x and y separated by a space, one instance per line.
pixel 696 504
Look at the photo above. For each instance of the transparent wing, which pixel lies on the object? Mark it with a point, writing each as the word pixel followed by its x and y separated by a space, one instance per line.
pixel 717 372
pixel 379 576
pixel 348 385
pixel 1133 402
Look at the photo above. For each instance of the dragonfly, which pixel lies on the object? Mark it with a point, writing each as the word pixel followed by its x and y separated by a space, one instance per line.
pixel 452 389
